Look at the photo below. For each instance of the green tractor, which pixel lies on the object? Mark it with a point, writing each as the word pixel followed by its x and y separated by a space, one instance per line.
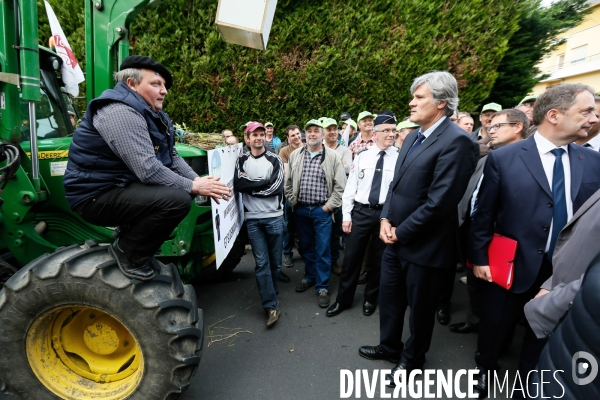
pixel 72 326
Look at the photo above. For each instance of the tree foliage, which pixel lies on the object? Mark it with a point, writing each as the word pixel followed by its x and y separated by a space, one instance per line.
pixel 535 38
pixel 323 57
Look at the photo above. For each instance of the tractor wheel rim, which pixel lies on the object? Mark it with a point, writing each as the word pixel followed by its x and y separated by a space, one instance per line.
pixel 67 344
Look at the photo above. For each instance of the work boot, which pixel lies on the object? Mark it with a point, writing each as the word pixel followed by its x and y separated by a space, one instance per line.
pixel 323 298
pixel 273 317
pixel 141 270
pixel 304 285
pixel 283 277
pixel 336 269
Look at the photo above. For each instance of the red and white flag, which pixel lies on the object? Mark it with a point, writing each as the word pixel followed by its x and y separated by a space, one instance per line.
pixel 71 71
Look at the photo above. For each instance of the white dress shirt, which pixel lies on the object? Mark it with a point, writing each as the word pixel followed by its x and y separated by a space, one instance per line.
pixel 594 143
pixel 358 186
pixel 432 128
pixel 545 147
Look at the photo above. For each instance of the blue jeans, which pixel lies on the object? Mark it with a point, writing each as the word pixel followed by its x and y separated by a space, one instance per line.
pixel 288 230
pixel 314 229
pixel 266 238
pixel 336 232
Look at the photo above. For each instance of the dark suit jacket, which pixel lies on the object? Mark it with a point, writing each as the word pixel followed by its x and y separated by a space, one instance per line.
pixel 422 199
pixel 577 245
pixel 515 200
pixel 463 206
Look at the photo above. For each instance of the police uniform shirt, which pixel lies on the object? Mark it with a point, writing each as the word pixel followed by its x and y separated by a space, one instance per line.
pixel 358 186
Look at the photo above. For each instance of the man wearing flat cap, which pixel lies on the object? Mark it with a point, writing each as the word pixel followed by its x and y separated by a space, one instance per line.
pixel 123 169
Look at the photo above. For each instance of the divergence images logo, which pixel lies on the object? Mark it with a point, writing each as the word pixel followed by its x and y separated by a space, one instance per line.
pixel 581 368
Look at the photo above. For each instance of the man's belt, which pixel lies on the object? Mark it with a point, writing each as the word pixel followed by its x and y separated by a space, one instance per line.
pixel 310 204
pixel 376 207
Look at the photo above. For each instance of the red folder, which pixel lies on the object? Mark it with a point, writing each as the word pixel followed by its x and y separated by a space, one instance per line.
pixel 501 256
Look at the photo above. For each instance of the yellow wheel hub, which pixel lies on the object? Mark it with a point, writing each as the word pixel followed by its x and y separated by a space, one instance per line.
pixel 84 353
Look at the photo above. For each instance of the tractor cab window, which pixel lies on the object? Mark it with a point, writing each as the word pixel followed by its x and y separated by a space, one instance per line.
pixel 51 116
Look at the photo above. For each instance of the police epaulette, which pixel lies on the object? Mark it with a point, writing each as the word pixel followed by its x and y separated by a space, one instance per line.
pixel 361 151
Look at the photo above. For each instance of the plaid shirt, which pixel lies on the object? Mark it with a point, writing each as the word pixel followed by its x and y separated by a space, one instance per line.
pixel 360 144
pixel 313 185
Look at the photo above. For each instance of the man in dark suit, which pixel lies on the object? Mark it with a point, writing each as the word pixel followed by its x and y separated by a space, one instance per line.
pixel 507 127
pixel 529 192
pixel 419 221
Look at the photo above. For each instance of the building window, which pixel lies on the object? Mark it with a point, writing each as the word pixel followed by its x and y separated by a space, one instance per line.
pixel 560 60
pixel 579 54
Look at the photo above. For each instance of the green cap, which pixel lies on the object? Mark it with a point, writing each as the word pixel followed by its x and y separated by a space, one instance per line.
pixel 268 124
pixel 313 122
pixel 491 107
pixel 327 122
pixel 350 122
pixel 365 114
pixel 406 124
pixel 527 99
pixel 243 127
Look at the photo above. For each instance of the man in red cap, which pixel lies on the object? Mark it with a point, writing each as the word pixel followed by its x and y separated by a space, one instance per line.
pixel 259 175
pixel 123 169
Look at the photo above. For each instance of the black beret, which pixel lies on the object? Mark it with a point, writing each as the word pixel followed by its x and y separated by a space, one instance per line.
pixel 385 117
pixel 146 62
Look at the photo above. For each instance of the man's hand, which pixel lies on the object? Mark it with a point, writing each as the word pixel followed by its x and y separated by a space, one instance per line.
pixel 211 187
pixel 387 233
pixel 326 209
pixel 482 272
pixel 347 226
pixel 541 293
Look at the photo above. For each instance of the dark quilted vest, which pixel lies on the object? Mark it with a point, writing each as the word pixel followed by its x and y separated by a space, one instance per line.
pixel 93 167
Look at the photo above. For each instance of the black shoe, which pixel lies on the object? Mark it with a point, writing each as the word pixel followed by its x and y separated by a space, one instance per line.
pixel 369 308
pixel 304 285
pixel 364 277
pixel 463 327
pixel 397 368
pixel 443 316
pixel 377 353
pixel 335 309
pixel 283 277
pixel 143 272
pixel 481 388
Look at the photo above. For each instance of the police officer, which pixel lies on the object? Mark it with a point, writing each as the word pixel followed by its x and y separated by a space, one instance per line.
pixel 370 176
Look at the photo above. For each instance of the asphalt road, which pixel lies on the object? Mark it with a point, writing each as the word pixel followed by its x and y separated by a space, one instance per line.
pixel 302 355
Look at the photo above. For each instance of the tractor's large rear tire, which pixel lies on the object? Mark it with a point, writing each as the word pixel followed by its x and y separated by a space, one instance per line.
pixel 72 326
pixel 6 271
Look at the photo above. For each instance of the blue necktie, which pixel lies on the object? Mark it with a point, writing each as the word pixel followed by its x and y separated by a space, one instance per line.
pixel 376 184
pixel 415 146
pixel 559 219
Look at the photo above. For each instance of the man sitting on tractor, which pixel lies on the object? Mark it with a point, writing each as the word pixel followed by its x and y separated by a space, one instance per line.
pixel 124 171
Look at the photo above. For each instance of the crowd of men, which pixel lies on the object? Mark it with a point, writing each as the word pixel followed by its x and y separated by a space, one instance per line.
pixel 406 192
pixel 411 198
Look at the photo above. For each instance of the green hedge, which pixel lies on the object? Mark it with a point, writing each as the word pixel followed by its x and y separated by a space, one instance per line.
pixel 323 57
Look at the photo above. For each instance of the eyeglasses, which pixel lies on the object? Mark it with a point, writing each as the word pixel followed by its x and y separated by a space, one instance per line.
pixel 497 126
pixel 387 131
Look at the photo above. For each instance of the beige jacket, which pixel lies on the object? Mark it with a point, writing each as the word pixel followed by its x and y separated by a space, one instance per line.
pixel 334 174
